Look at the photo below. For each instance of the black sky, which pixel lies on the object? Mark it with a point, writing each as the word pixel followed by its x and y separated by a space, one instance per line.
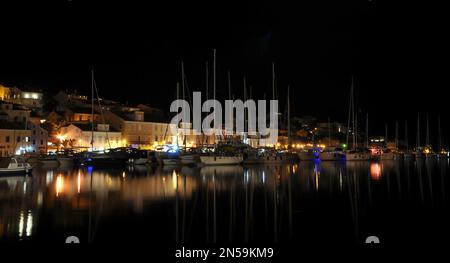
pixel 396 51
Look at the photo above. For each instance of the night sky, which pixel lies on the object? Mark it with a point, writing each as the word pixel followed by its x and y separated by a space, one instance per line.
pixel 396 52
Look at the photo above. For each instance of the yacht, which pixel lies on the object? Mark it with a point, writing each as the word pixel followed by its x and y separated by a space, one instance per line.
pixel 189 157
pixel 221 159
pixel 387 154
pixel 12 165
pixel 138 157
pixel 307 154
pixel 358 155
pixel 48 161
pixel 332 154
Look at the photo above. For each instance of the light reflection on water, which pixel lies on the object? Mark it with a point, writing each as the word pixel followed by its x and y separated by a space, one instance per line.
pixel 301 202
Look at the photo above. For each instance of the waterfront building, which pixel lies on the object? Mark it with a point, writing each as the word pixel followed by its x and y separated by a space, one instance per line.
pixel 14 139
pixel 78 136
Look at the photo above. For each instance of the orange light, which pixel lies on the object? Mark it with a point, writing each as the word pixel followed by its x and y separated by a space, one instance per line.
pixel 375 171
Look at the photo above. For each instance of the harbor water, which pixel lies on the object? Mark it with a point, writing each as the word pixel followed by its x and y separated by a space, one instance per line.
pixel 298 203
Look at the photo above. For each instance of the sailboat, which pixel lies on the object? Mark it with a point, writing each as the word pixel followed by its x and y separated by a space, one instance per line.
pixel 418 153
pixel 355 154
pixel 407 154
pixel 429 153
pixel 441 151
pixel 386 153
pixel 273 155
pixel 108 157
pixel 219 156
pixel 187 156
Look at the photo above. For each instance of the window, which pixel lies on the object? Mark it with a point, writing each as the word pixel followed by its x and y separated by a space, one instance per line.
pixel 42 142
pixel 7 139
pixel 18 138
pixel 34 142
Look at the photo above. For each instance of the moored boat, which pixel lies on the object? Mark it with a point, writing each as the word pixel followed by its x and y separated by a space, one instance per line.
pixel 138 157
pixel 307 155
pixel 221 159
pixel 48 161
pixel 189 158
pixel 387 154
pixel 332 154
pixel 358 155
pixel 12 165
pixel 171 161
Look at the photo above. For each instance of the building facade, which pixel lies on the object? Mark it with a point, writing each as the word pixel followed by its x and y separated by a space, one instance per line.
pixel 79 137
pixel 14 139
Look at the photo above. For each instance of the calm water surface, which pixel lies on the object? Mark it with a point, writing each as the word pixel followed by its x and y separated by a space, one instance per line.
pixel 307 202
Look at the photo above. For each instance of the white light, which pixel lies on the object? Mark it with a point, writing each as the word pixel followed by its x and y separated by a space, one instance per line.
pixel 29 223
pixel 21 222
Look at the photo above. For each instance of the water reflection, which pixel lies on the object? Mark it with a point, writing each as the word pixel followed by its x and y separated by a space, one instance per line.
pixel 310 202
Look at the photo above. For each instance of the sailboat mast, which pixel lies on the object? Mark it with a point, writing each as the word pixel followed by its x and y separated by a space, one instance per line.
pixel 229 85
pixel 289 116
pixel 273 80
pixel 406 136
pixel 428 133
pixel 418 131
pixel 92 109
pixel 350 116
pixel 386 134
pixel 355 135
pixel 207 80
pixel 184 97
pixel 396 135
pixel 214 88
pixel 245 115
pixel 178 97
pixel 367 130
pixel 214 76
pixel 439 134
pixel 329 132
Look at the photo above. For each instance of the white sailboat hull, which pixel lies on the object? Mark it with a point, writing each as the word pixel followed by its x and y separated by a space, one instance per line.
pixel 357 156
pixel 171 161
pixel 138 161
pixel 189 159
pixel 331 156
pixel 221 160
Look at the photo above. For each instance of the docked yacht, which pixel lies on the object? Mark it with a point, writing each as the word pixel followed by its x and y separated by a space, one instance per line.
pixel 307 154
pixel 387 154
pixel 332 154
pixel 358 155
pixel 138 157
pixel 12 165
pixel 221 159
pixel 48 161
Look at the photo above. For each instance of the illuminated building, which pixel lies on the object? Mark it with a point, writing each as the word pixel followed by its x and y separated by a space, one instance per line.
pixel 30 99
pixel 14 138
pixel 78 136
